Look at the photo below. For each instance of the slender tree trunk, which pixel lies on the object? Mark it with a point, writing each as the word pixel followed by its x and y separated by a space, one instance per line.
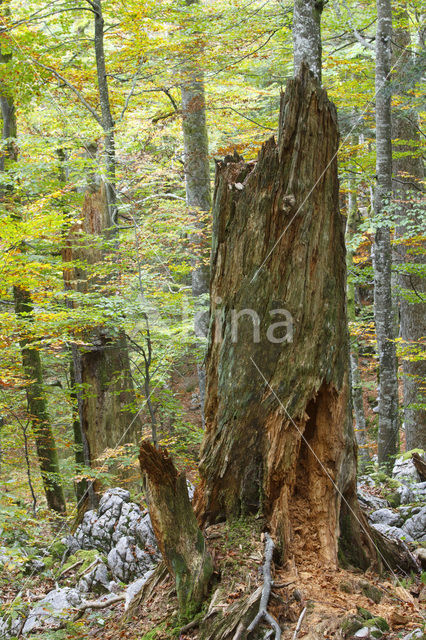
pixel 31 362
pixel 102 367
pixel 37 408
pixel 307 46
pixel 408 190
pixel 279 433
pixel 356 382
pixel 382 257
pixel 198 192
pixel 81 486
pixel 106 114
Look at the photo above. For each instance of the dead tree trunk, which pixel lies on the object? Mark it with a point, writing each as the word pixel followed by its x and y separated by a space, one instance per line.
pixel 179 538
pixel 279 436
pixel 102 367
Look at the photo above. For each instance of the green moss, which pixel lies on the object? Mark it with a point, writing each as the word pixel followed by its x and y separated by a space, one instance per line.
pixel 372 592
pixel 351 625
pixel 377 622
pixel 364 613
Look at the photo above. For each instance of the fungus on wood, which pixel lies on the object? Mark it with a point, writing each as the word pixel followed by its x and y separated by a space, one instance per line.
pixel 180 540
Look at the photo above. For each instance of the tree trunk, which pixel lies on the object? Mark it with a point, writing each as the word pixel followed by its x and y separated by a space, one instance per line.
pixel 106 114
pixel 37 408
pixel 102 366
pixel 198 193
pixel 356 382
pixel 81 487
pixel 31 362
pixel 279 434
pixel 382 256
pixel 180 540
pixel 307 46
pixel 408 191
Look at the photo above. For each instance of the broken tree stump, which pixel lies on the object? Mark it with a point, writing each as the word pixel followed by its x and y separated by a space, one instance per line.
pixel 180 540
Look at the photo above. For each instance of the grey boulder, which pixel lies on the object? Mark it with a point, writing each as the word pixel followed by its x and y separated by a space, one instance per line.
pixel 393 532
pixel 52 610
pixel 385 516
pixel 416 525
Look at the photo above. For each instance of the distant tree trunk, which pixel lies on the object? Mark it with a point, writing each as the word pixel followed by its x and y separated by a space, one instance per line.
pixel 356 382
pixel 31 362
pixel 279 433
pixel 198 191
pixel 180 540
pixel 37 408
pixel 408 192
pixel 307 46
pixel 102 367
pixel 382 256
pixel 106 114
pixel 81 487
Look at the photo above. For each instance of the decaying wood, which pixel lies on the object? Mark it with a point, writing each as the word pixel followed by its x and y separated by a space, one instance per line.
pixel 279 434
pixel 266 592
pixel 153 583
pixel 230 623
pixel 420 465
pixel 179 538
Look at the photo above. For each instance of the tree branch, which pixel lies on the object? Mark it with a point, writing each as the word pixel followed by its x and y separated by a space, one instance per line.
pixel 58 76
pixel 266 591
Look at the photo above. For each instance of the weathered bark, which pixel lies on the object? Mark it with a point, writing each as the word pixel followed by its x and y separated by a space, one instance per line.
pixel 356 382
pixel 37 409
pixel 420 465
pixel 382 257
pixel 180 540
pixel 307 46
pixel 408 189
pixel 198 192
pixel 279 434
pixel 102 366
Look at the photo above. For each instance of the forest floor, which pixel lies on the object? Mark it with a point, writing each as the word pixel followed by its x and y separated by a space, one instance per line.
pixel 332 598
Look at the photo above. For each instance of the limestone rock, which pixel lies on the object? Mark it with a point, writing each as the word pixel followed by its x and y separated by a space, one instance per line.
pixel 52 610
pixel 386 516
pixel 122 532
pixel 393 532
pixel 416 526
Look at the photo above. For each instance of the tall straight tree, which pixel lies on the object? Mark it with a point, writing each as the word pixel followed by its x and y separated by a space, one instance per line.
pixel 356 382
pixel 31 360
pixel 408 188
pixel 102 368
pixel 197 183
pixel 307 45
pixel 382 255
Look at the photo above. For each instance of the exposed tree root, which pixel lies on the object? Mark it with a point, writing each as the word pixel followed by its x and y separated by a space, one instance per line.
pixel 266 592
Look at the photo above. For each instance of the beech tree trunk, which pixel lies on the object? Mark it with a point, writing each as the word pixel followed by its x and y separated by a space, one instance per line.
pixel 408 192
pixel 307 47
pixel 356 382
pixel 279 434
pixel 198 193
pixel 31 361
pixel 180 540
pixel 388 438
pixel 37 409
